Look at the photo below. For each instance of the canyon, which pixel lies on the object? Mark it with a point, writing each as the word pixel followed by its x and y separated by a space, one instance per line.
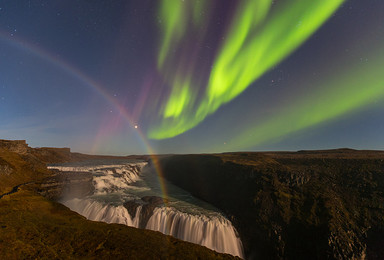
pixel 284 205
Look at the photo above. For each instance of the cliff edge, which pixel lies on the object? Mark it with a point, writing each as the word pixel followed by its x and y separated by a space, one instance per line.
pixel 285 205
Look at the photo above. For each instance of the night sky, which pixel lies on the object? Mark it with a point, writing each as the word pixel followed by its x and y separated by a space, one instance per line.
pixel 192 76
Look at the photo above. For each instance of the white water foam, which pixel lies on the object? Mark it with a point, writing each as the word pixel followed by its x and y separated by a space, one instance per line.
pixel 91 168
pixel 108 178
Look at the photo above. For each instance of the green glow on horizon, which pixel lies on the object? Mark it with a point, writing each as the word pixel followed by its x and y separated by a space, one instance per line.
pixel 257 40
pixel 356 87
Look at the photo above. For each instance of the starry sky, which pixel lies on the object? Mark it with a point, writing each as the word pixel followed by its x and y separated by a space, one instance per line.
pixel 191 76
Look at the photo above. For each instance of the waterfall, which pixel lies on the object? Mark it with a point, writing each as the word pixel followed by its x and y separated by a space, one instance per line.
pixel 108 178
pixel 113 179
pixel 116 185
pixel 216 233
pixel 137 166
pixel 96 211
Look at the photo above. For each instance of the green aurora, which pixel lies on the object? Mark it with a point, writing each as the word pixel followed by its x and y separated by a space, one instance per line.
pixel 341 94
pixel 260 36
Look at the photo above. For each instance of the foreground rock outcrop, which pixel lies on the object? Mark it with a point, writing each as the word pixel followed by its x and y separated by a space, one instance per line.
pixel 305 205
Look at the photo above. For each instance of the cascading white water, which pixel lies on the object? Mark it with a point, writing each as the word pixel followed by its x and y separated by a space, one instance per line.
pixel 115 184
pixel 96 211
pixel 108 179
pixel 137 166
pixel 216 232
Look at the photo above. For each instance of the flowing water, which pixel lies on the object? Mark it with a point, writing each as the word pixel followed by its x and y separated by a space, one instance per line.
pixel 182 216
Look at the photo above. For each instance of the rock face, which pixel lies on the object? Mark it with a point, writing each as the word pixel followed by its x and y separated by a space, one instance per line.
pixel 17 168
pixel 67 185
pixel 5 167
pixel 305 205
pixel 16 146
pixel 148 204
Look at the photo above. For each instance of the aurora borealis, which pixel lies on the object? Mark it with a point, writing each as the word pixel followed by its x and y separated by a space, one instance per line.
pixel 255 42
pixel 191 76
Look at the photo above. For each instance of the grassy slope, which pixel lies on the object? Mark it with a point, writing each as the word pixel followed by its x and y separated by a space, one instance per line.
pixel 23 169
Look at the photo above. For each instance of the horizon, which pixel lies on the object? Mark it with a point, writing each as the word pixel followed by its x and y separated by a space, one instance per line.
pixel 203 153
pixel 144 77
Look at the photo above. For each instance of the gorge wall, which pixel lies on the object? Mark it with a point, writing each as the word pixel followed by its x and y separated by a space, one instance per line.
pixel 305 205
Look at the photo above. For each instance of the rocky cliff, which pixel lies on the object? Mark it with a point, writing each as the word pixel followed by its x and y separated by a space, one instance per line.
pixel 16 146
pixel 67 185
pixel 305 205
